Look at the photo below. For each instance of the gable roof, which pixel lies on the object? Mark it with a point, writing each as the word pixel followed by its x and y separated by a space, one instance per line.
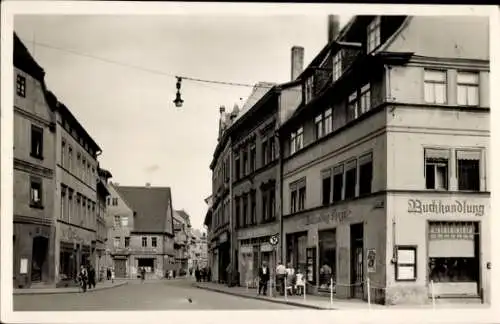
pixel 182 213
pixel 151 205
pixel 24 60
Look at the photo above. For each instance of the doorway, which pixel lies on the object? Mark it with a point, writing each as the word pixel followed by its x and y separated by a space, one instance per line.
pixel 120 268
pixel 38 257
pixel 357 273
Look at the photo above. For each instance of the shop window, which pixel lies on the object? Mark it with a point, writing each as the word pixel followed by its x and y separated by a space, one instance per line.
pixel 253 158
pixel 327 258
pixel 435 86
pixel 365 174
pixel 144 241
pixel 350 180
pixel 253 211
pixel 36 200
pixel 436 169
pixel 453 252
pixel 468 170
pixel 406 266
pixel 338 183
pixel 468 88
pixel 36 142
pixel 326 187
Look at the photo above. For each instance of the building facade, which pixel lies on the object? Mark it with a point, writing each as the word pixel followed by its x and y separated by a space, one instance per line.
pixel 182 241
pixel 34 173
pixel 385 170
pixel 151 241
pixel 103 193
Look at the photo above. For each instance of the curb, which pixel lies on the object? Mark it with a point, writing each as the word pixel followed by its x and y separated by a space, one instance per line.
pixel 55 292
pixel 291 303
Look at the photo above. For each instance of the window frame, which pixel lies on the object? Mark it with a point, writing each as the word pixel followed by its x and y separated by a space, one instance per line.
pixel 36 130
pixel 154 242
pixel 365 99
pixel 38 181
pixel 352 169
pixel 352 106
pixel 437 162
pixel 457 171
pixel 468 85
pixel 369 160
pixel 127 241
pixel 319 126
pixel 21 85
pixel 432 82
pixel 144 241
pixel 337 65
pixel 373 35
pixel 414 265
pixel 253 158
pixel 326 174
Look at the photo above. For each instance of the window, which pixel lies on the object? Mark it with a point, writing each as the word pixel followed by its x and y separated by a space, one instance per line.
pixel 108 201
pixel 36 192
pixel 153 241
pixel 70 158
pixel 63 153
pixel 115 201
pixel 84 169
pixel 406 267
pixel 265 208
pixel 70 204
pixel 144 241
pixel 373 35
pixel 237 212
pixel 21 86
pixel 468 170
pixel 300 138
pixel 308 92
pixel 293 143
pixel 318 122
pixel 253 211
pixel 365 99
pixel 237 174
pixel 127 241
pixel 245 210
pixel 435 86
pixel 270 149
pixel 327 258
pixel 124 221
pixel 328 121
pixel 36 142
pixel 63 202
pixel 352 107
pixel 350 180
pixel 436 169
pixel 337 66
pixel 293 201
pixel 338 182
pixel 245 163
pixel 117 220
pixel 78 164
pixel 78 207
pixel 253 158
pixel 272 203
pixel 468 88
pixel 326 187
pixel 116 242
pixel 302 198
pixel 365 174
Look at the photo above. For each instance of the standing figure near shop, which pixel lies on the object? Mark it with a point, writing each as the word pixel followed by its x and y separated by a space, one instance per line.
pixel 197 274
pixel 83 277
pixel 263 278
pixel 112 275
pixel 280 278
pixel 91 272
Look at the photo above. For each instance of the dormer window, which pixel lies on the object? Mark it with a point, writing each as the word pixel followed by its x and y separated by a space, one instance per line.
pixel 373 35
pixel 297 140
pixel 308 91
pixel 337 66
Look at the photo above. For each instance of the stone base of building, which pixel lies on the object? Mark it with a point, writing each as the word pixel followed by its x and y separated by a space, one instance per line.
pixel 407 295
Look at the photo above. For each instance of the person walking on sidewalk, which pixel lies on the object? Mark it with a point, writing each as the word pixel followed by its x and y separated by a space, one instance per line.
pixel 112 275
pixel 280 278
pixel 263 278
pixel 82 278
pixel 91 276
pixel 143 274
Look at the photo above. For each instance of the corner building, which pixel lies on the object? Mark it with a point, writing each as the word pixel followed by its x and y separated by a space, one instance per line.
pixel 385 171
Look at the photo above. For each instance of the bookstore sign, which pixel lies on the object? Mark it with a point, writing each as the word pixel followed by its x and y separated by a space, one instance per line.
pixel 439 207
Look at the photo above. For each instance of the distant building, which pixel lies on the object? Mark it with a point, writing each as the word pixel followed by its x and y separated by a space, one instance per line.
pixel 182 240
pixel 199 250
pixel 151 240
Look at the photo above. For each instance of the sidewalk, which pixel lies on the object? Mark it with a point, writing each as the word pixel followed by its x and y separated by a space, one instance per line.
pixel 52 290
pixel 323 303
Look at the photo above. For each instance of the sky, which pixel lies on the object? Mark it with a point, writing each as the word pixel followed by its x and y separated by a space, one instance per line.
pixel 128 107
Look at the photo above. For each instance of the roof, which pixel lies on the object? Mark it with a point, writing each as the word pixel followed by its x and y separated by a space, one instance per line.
pixel 182 213
pixel 24 60
pixel 151 205
pixel 258 91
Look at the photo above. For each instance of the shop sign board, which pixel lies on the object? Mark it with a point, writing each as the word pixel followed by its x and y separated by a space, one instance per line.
pixel 274 239
pixel 440 207
pixel 331 216
pixel 24 266
pixel 371 256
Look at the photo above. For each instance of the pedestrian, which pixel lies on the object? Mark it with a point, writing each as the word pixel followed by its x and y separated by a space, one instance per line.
pixel 197 274
pixel 280 278
pixel 91 276
pixel 263 278
pixel 175 273
pixel 112 275
pixel 209 274
pixel 82 277
pixel 143 274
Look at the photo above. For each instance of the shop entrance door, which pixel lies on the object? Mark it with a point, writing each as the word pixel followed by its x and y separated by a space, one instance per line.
pixel 357 275
pixel 120 268
pixel 39 254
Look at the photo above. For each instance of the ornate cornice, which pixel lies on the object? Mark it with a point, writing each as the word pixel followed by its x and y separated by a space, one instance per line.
pixel 29 167
pixel 32 220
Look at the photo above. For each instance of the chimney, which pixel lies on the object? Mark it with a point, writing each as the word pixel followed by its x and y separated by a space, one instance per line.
pixel 297 61
pixel 333 27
